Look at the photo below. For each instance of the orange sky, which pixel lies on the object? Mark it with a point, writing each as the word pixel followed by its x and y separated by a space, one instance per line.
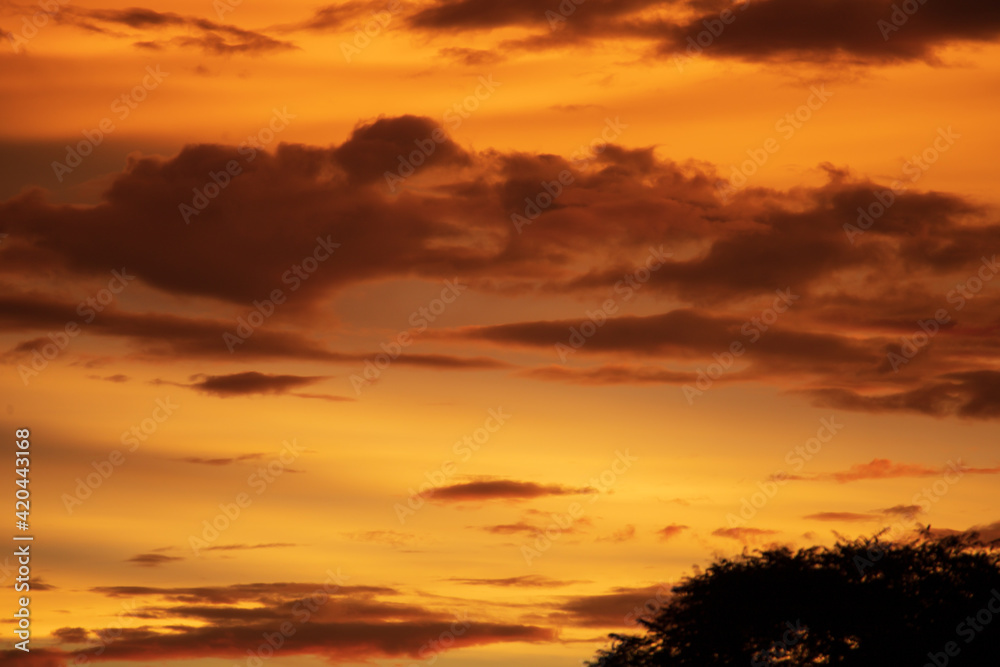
pixel 567 236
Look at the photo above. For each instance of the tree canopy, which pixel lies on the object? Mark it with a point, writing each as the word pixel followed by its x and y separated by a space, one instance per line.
pixel 928 602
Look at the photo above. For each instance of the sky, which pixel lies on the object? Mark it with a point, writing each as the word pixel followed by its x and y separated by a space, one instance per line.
pixel 456 332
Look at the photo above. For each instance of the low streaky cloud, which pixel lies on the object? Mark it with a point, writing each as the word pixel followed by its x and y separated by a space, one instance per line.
pixel 857 32
pixel 251 382
pixel 625 534
pixel 249 547
pixel 906 511
pixel 502 490
pixel 352 625
pixel 211 37
pixel 525 581
pixel 619 608
pixel 222 460
pixel 840 516
pixel 152 560
pixel 887 469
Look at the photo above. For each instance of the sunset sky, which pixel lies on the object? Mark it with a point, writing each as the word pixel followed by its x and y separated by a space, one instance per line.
pixel 455 332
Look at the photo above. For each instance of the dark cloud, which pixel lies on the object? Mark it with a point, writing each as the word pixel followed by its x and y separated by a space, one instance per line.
pixel 840 516
pixel 209 36
pixel 153 560
pixel 222 460
pixel 501 489
pixel 472 57
pixel 339 624
pixel 251 382
pixel 249 547
pixel 867 32
pixel 70 635
pixel 970 394
pixel 725 268
pixel 856 30
pixel 525 581
pixel 383 145
pixel 618 609
pixel 888 469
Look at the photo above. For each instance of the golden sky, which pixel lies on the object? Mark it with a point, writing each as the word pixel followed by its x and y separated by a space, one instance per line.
pixel 454 332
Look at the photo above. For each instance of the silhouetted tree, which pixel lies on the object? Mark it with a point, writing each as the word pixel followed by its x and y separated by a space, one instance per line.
pixel 864 603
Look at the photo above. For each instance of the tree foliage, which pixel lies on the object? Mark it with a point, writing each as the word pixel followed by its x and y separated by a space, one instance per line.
pixel 860 603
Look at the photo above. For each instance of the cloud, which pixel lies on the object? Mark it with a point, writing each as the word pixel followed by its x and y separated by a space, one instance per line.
pixel 525 581
pixel 906 511
pixel 209 36
pixel 251 382
pixel 117 378
pixel 153 560
pixel 625 534
pixel 970 394
pixel 248 547
pixel 617 609
pixel 70 635
pixel 471 57
pixel 392 538
pixel 860 31
pixel 840 516
pixel 888 469
pixel 728 264
pixel 222 460
pixel 868 32
pixel 501 489
pixel 671 531
pixel 344 624
pixel 534 523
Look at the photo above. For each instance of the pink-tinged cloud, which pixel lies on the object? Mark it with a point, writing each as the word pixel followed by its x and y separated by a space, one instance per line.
pixel 671 531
